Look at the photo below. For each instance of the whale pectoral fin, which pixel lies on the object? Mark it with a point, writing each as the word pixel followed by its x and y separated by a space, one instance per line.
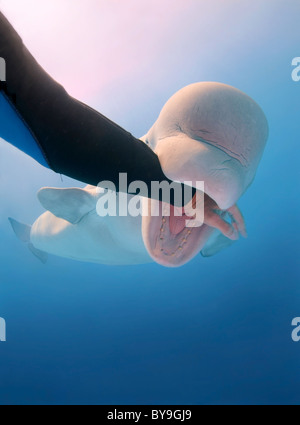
pixel 69 204
pixel 22 231
pixel 216 243
pixel 41 255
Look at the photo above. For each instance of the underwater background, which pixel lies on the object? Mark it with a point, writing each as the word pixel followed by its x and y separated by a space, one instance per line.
pixel 216 331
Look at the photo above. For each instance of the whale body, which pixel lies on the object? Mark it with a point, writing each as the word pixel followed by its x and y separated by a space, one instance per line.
pixel 206 132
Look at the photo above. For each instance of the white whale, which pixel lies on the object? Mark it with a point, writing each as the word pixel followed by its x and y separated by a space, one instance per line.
pixel 71 228
pixel 207 132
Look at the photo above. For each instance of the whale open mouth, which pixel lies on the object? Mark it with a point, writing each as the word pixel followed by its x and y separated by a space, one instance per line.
pixel 171 238
pixel 173 235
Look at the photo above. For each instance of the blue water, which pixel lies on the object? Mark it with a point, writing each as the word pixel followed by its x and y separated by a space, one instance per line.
pixel 217 330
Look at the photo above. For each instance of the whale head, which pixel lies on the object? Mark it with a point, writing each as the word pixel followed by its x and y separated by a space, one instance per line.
pixel 207 132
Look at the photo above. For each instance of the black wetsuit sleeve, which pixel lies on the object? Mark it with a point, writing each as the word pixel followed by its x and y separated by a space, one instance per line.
pixel 75 139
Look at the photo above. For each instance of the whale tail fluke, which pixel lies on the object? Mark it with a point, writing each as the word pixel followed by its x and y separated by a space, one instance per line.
pixel 22 231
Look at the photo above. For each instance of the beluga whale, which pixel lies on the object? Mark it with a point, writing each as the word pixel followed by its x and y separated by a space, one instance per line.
pixel 207 132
